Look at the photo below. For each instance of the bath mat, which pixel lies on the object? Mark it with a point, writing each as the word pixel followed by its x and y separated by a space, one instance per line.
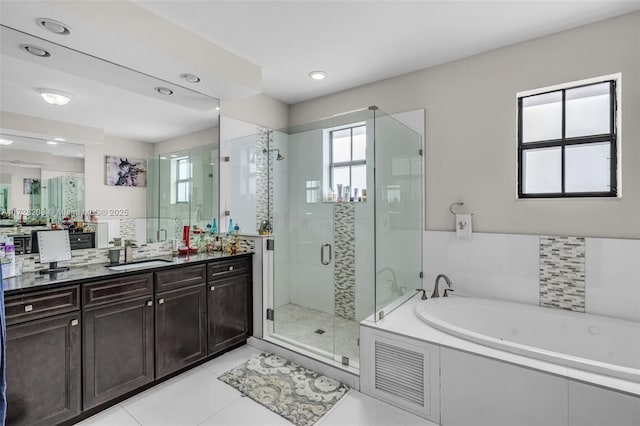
pixel 299 395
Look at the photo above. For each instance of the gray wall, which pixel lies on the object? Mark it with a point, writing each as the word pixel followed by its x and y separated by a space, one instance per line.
pixel 471 128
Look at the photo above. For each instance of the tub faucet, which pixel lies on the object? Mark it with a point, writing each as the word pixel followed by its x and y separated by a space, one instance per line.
pixel 435 288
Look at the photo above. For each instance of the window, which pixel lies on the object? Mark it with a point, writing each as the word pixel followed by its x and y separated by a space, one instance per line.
pixel 183 175
pixel 348 164
pixel 567 142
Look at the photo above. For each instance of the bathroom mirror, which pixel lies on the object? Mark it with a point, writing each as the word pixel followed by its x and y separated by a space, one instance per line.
pixel 113 111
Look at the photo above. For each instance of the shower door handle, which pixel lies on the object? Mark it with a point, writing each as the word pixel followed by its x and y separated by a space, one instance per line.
pixel 322 247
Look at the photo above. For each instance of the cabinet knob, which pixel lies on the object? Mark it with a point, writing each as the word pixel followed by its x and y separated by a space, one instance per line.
pixel 231 268
pixel 28 308
pixel 160 301
pixel 149 303
pixel 74 322
pixel 213 287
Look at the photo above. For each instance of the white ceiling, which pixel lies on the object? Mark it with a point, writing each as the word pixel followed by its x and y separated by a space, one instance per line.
pixel 356 42
pixel 359 42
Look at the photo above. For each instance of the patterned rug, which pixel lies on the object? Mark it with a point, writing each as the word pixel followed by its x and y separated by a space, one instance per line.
pixel 299 395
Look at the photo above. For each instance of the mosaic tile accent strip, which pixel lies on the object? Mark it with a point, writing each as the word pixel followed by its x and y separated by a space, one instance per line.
pixel 344 236
pixel 562 272
pixel 71 193
pixel 127 229
pixel 246 245
pixel 264 185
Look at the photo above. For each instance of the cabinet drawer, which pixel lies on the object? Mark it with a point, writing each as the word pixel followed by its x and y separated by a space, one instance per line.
pixel 227 268
pixel 180 277
pixel 117 289
pixel 21 308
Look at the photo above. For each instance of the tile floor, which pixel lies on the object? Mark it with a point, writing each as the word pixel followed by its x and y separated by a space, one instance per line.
pixel 197 397
pixel 299 323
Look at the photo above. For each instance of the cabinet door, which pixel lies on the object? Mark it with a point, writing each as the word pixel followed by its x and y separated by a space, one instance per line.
pixel 43 370
pixel 117 349
pixel 229 312
pixel 181 337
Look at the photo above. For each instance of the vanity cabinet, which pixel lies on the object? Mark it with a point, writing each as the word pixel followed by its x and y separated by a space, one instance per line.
pixel 118 338
pixel 43 357
pixel 229 303
pixel 180 318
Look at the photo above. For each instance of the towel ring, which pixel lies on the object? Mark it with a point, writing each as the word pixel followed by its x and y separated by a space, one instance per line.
pixel 459 203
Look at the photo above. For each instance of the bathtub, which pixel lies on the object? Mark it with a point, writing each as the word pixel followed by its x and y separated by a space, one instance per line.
pixel 588 342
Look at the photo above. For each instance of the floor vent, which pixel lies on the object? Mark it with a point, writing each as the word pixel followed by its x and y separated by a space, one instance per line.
pixel 400 372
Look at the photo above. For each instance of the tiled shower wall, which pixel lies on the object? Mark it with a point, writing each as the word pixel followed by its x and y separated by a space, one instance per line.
pixel 522 268
pixel 264 185
pixel 344 235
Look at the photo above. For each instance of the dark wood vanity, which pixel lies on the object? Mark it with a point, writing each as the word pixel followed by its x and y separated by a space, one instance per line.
pixel 73 350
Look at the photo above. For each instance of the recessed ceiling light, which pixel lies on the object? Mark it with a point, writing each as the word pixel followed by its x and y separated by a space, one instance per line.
pixel 318 75
pixel 54 97
pixel 191 78
pixel 164 91
pixel 217 108
pixel 52 143
pixel 60 139
pixel 173 155
pixel 35 50
pixel 5 142
pixel 53 26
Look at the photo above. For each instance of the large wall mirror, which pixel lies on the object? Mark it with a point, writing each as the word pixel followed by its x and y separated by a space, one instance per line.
pixel 55 159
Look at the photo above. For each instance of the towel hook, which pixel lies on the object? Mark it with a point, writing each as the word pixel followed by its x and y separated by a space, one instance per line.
pixel 459 203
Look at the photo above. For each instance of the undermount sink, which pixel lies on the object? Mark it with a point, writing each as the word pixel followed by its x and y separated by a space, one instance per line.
pixel 140 264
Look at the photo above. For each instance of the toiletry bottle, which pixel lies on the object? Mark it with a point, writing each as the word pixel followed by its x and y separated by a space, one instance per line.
pixel 236 230
pixel 214 226
pixel 230 229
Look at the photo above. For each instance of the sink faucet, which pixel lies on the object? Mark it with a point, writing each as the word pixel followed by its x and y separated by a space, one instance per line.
pixel 394 281
pixel 128 250
pixel 435 289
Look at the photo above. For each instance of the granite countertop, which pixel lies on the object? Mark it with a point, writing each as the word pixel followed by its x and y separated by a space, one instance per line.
pixel 30 281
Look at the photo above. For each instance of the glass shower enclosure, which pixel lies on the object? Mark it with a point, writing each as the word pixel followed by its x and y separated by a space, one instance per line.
pixel 346 200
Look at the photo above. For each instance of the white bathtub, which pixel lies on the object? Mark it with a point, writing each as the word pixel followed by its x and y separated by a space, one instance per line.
pixel 589 342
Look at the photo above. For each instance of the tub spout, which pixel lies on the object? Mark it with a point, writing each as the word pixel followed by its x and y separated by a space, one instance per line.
pixel 436 293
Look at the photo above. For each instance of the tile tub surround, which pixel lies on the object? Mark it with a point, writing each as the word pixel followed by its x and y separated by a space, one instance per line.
pixel 507 267
pixel 562 272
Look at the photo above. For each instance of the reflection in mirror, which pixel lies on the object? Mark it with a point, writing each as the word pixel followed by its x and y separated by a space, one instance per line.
pixel 114 111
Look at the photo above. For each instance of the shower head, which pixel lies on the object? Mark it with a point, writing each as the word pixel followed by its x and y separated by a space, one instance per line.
pixel 279 157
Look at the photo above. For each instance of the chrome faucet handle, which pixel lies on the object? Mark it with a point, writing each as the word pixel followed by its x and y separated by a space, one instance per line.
pixel 424 293
pixel 445 292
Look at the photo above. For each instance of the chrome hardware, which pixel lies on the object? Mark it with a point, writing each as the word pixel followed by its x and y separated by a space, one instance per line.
pixel 28 308
pixel 445 292
pixel 160 301
pixel 74 322
pixel 149 303
pixel 213 287
pixel 322 247
pixel 231 268
pixel 424 293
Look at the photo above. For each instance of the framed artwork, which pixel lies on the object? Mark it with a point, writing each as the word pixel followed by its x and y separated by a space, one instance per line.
pixel 121 171
pixel 31 186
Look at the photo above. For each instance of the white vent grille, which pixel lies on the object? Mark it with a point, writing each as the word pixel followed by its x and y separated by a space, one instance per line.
pixel 400 372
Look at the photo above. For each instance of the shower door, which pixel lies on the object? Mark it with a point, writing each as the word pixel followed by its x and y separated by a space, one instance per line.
pixel 323 275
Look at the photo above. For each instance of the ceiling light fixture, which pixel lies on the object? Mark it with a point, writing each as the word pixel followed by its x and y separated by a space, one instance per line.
pixel 164 91
pixel 318 75
pixel 60 139
pixel 55 27
pixel 54 97
pixel 5 142
pixel 191 78
pixel 35 50
pixel 217 108
pixel 52 143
